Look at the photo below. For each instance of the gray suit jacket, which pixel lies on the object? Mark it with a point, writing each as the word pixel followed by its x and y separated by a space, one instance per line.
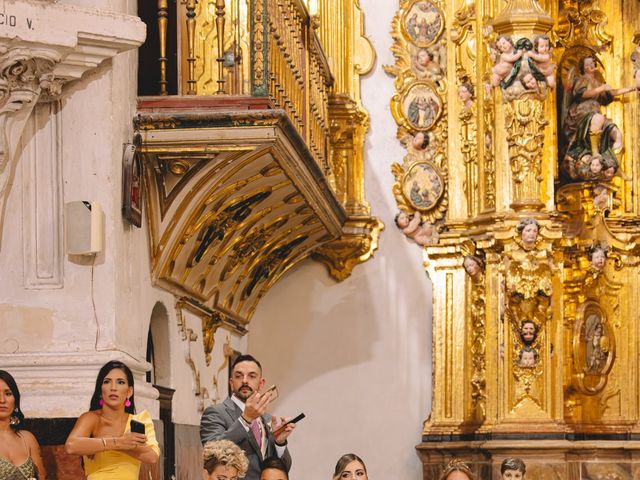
pixel 221 422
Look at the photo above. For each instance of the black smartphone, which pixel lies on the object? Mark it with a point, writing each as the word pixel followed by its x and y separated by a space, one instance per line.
pixel 293 420
pixel 137 427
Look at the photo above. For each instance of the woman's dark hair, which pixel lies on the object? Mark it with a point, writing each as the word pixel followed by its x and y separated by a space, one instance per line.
pixel 104 371
pixel 17 412
pixel 346 460
pixel 513 464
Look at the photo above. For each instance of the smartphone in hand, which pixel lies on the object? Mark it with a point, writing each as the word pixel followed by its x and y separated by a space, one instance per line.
pixel 293 420
pixel 137 427
pixel 272 391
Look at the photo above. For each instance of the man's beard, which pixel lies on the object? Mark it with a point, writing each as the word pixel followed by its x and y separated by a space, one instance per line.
pixel 248 391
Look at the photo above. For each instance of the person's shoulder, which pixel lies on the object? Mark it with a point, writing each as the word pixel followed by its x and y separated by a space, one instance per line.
pixel 30 438
pixel 143 415
pixel 216 407
pixel 91 416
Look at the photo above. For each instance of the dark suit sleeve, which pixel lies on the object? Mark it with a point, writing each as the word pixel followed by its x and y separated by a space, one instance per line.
pixel 217 425
pixel 286 459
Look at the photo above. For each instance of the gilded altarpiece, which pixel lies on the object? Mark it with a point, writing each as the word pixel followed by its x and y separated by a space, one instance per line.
pixel 520 120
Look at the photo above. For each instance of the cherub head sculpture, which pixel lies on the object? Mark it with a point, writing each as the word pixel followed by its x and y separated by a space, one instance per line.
pixel 528 229
pixel 527 358
pixel 474 266
pixel 420 141
pixel 598 256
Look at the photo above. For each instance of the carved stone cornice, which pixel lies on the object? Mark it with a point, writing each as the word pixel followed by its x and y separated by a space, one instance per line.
pixel 42 47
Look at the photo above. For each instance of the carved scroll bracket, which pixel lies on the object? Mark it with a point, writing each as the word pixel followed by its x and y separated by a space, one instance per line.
pixel 52 49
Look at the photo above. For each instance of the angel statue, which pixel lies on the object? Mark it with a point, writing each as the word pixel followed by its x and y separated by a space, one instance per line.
pixel 413 227
pixel 592 139
pixel 528 274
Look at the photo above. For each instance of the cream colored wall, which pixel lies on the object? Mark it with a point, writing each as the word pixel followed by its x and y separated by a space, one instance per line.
pixel 355 356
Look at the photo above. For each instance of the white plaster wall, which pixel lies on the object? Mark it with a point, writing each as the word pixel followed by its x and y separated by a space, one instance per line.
pixel 355 356
pixel 102 307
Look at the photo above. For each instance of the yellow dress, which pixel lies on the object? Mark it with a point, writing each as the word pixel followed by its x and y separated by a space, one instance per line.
pixel 117 465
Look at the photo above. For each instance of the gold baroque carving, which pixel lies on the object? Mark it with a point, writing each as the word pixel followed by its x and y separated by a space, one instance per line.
pixel 419 107
pixel 474 265
pixel 421 186
pixel 582 23
pixel 342 255
pixel 422 23
pixel 258 46
pixel 525 122
pixel 342 36
pixel 224 230
pixel 594 349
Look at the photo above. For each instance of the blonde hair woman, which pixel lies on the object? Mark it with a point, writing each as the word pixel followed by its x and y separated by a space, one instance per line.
pixel 223 459
pixel 457 470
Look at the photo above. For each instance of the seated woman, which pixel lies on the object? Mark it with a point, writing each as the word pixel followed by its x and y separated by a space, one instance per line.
pixel 457 470
pixel 350 466
pixel 20 456
pixel 111 451
pixel 223 459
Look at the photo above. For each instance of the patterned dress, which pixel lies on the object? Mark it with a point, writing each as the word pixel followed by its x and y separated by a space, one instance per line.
pixel 9 471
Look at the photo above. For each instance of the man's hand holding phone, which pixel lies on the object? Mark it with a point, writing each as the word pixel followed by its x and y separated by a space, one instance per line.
pixel 281 429
pixel 256 404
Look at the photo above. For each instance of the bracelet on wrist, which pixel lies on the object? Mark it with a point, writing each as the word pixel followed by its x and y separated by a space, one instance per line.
pixel 104 443
pixel 248 422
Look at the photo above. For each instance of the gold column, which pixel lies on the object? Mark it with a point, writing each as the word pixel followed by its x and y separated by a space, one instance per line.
pixel 191 40
pixel 220 21
pixel 523 114
pixel 162 34
pixel 350 55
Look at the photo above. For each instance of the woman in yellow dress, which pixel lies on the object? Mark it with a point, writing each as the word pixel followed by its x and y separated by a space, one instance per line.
pixel 111 451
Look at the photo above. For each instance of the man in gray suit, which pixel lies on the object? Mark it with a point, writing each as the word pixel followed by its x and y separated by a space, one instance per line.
pixel 242 418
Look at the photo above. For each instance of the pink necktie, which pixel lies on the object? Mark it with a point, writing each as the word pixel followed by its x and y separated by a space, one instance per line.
pixel 257 433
